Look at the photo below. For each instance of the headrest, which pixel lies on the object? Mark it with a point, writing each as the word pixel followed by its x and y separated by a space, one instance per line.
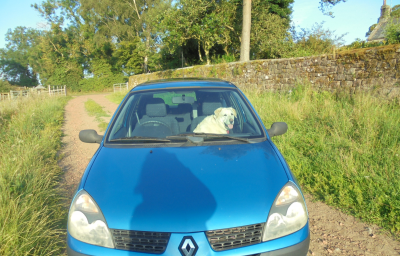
pixel 156 108
pixel 184 108
pixel 210 107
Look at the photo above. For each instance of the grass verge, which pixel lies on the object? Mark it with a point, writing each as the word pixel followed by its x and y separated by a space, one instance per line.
pixel 98 112
pixel 116 97
pixel 32 217
pixel 344 150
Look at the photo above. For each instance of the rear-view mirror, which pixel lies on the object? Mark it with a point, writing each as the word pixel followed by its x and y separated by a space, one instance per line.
pixel 277 128
pixel 90 136
pixel 183 99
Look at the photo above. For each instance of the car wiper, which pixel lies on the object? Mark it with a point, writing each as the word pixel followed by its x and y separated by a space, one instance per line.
pixel 140 138
pixel 205 136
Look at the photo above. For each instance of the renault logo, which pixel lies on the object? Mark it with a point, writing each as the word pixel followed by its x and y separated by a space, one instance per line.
pixel 188 246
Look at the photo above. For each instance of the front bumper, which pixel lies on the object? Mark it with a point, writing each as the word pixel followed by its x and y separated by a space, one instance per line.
pixel 295 244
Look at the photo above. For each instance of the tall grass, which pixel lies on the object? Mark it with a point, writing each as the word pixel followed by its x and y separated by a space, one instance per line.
pixel 32 217
pixel 117 97
pixel 344 150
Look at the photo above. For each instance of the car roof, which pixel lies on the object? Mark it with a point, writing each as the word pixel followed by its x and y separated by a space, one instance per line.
pixel 183 83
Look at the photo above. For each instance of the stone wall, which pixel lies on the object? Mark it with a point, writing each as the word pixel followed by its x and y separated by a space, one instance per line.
pixel 373 69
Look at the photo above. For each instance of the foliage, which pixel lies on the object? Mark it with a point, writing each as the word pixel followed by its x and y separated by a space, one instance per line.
pixel 326 5
pixel 17 61
pixel 392 33
pixel 343 149
pixel 208 22
pixel 315 41
pixel 5 86
pixel 358 43
pixel 101 78
pixel 269 37
pixel 395 13
pixel 89 45
pixel 32 217
pixel 129 56
pixel 223 59
pixel 16 74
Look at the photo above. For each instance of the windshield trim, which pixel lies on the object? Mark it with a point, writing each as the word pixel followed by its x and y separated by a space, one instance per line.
pixel 261 137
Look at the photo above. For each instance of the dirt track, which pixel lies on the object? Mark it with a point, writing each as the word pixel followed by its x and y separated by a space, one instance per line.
pixel 332 232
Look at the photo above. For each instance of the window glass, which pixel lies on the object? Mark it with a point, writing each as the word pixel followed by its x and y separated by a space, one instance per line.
pixel 166 113
pixel 121 123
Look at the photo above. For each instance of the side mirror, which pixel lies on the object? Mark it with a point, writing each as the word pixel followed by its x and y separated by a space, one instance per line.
pixel 90 136
pixel 277 128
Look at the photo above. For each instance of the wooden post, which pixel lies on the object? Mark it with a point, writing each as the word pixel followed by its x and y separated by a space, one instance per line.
pixel 65 90
pixel 334 52
pixel 49 91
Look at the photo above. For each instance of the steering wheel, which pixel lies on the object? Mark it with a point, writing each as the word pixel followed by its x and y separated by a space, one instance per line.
pixel 156 122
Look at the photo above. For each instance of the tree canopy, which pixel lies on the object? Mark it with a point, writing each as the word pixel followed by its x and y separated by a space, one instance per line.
pixel 90 44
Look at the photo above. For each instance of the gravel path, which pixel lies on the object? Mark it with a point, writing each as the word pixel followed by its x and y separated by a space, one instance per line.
pixel 76 153
pixel 332 232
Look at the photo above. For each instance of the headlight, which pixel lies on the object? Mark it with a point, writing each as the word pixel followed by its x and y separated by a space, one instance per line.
pixel 86 222
pixel 288 213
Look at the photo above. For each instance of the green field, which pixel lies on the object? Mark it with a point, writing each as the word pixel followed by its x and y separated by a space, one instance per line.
pixel 32 217
pixel 343 150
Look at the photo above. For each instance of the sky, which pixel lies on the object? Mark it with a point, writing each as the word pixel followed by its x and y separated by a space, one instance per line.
pixel 353 17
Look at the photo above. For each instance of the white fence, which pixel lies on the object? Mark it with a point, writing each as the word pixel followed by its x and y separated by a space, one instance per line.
pixel 120 87
pixel 58 90
pixel 5 96
pixel 51 91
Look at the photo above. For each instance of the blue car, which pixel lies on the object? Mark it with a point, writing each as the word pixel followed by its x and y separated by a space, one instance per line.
pixel 187 168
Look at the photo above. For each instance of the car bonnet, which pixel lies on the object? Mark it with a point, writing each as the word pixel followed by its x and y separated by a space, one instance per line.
pixel 186 189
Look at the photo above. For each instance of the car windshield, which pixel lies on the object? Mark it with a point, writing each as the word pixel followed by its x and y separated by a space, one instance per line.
pixel 166 115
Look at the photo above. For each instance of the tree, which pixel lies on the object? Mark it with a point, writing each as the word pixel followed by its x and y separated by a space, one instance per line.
pixel 326 5
pixel 208 22
pixel 314 41
pixel 17 61
pixel 392 33
pixel 129 56
pixel 269 37
pixel 124 20
pixel 260 9
pixel 245 42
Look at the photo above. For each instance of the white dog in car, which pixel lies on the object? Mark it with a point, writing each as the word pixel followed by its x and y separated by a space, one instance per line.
pixel 220 123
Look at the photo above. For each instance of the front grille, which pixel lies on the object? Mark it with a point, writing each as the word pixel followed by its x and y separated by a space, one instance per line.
pixel 139 241
pixel 225 239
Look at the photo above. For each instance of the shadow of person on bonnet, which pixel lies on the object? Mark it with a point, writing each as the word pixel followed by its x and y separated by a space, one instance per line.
pixel 173 198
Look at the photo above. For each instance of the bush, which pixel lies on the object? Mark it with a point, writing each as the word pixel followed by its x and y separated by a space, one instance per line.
pixel 223 59
pixel 102 78
pixel 315 41
pixel 392 33
pixel 358 43
pixel 5 86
